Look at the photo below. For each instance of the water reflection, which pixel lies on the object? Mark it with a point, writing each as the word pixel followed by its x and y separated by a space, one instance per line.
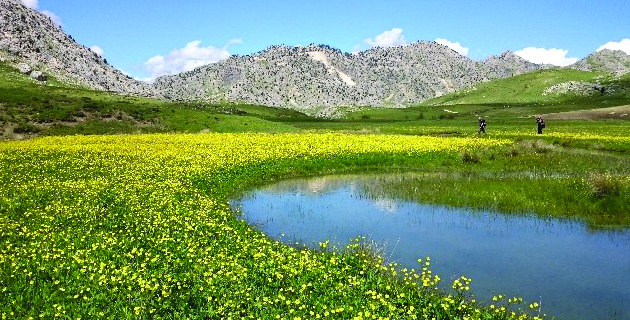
pixel 575 272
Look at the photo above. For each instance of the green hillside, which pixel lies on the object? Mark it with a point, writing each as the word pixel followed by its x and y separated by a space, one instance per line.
pixel 520 96
pixel 28 107
pixel 527 88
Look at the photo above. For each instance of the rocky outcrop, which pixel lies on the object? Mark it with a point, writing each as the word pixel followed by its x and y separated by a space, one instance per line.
pixel 577 88
pixel 29 38
pixel 39 76
pixel 24 68
pixel 317 77
pixel 611 61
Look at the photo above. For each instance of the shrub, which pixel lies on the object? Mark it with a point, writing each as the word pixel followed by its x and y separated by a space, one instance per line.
pixel 469 157
pixel 604 185
pixel 541 146
pixel 514 152
pixel 26 128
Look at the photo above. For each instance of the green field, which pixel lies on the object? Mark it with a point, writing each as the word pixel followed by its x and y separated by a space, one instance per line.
pixel 517 97
pixel 28 108
pixel 116 224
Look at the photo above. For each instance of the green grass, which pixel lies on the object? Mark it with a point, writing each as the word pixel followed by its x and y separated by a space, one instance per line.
pixel 68 207
pixel 55 109
pixel 521 89
pixel 138 226
pixel 531 176
pixel 508 98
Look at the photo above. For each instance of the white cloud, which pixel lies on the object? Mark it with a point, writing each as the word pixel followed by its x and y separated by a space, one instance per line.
pixel 97 50
pixel 453 45
pixel 33 5
pixel 557 57
pixel 55 18
pixel 30 3
pixel 389 38
pixel 187 58
pixel 147 80
pixel 623 45
pixel 234 41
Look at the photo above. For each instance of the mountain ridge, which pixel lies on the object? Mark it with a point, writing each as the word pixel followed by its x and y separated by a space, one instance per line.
pixel 318 76
pixel 35 43
pixel 316 79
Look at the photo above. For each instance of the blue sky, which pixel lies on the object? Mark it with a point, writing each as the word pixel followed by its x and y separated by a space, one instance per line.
pixel 149 38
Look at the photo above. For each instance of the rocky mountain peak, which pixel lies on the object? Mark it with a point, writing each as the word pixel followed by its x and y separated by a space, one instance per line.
pixel 316 78
pixel 28 37
pixel 613 61
pixel 507 64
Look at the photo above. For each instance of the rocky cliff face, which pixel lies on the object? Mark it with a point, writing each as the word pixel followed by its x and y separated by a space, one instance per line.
pixel 30 40
pixel 317 76
pixel 617 62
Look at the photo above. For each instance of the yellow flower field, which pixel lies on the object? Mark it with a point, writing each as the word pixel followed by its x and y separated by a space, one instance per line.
pixel 138 226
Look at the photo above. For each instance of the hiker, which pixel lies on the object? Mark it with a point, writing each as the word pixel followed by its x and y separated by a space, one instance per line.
pixel 482 125
pixel 541 124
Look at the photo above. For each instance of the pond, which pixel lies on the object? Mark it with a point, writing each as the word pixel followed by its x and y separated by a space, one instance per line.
pixel 572 271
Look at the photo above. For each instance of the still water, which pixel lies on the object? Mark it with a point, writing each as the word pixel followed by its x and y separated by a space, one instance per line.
pixel 572 271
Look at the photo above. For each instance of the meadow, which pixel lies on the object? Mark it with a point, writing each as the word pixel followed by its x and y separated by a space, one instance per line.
pixel 29 108
pixel 138 226
pixel 111 225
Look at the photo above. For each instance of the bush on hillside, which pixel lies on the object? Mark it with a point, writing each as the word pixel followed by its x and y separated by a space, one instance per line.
pixel 26 128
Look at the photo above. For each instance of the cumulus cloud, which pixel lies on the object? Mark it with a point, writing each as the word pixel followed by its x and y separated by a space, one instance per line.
pixel 187 58
pixel 623 45
pixel 557 57
pixel 453 45
pixel 30 3
pixel 389 38
pixel 97 50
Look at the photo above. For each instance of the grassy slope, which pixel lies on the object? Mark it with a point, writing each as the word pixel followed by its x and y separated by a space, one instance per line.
pixel 514 97
pixel 28 107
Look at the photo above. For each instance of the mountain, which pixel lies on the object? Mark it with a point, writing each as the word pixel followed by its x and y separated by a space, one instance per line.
pixel 317 77
pixel 32 42
pixel 508 64
pixel 612 61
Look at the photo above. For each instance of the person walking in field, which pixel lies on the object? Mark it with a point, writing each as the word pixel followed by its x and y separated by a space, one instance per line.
pixel 482 125
pixel 541 124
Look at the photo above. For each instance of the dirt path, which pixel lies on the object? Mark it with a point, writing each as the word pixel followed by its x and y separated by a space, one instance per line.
pixel 621 112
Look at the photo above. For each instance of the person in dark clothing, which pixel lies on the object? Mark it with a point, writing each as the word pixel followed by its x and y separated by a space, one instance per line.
pixel 482 125
pixel 541 124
